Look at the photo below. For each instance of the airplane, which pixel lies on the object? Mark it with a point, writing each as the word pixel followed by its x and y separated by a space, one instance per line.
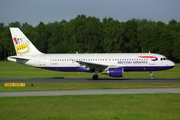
pixel 112 64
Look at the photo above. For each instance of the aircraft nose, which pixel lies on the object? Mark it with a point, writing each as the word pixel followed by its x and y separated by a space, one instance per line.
pixel 171 63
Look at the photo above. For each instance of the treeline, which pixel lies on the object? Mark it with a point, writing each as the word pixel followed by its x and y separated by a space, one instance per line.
pixel 91 35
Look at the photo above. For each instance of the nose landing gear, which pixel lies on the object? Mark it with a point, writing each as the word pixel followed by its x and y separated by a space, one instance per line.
pixel 151 75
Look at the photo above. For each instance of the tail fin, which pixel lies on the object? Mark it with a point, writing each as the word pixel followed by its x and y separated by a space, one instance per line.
pixel 22 44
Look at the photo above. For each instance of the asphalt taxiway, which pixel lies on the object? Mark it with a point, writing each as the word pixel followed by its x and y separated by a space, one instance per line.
pixel 90 92
pixel 89 80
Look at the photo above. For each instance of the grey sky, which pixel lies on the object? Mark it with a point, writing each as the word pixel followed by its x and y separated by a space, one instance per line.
pixel 34 11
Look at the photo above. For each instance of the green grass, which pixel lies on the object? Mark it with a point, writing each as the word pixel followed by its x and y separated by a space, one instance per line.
pixel 92 107
pixel 14 70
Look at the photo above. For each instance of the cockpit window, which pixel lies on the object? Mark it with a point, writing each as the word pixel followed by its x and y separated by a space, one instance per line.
pixel 163 59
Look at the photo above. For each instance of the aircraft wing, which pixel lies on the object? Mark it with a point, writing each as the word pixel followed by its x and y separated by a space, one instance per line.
pixel 98 67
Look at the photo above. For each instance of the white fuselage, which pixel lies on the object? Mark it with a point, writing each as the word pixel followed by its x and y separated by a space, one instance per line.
pixel 128 61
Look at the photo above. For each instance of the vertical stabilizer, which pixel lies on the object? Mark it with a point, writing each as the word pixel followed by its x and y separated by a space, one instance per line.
pixel 22 44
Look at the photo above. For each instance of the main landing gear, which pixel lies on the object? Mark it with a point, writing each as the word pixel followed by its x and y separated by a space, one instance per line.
pixel 151 75
pixel 95 77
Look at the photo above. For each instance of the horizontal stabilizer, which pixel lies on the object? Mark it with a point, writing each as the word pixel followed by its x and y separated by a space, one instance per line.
pixel 18 57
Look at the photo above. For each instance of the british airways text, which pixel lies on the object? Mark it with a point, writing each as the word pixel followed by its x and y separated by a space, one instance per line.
pixel 132 62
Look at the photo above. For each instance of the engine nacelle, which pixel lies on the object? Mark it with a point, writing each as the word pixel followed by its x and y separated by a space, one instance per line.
pixel 116 72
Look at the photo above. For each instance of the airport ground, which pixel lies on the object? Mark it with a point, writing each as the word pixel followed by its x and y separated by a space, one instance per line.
pixel 145 104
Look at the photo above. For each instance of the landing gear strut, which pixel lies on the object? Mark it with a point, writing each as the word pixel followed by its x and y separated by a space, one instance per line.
pixel 95 77
pixel 151 75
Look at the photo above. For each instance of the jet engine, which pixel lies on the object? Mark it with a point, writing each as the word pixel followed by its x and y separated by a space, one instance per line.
pixel 114 72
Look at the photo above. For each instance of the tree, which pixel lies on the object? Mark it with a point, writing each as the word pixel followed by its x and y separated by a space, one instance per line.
pixel 55 38
pixel 176 44
pixel 131 43
pixel 15 24
pixel 41 37
pixel 148 36
pixel 166 43
pixel 92 35
pixel 69 36
pixel 2 28
pixel 6 44
pixel 176 48
pixel 113 36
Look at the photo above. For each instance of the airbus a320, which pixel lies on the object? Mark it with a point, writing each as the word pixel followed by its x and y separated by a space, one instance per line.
pixel 112 64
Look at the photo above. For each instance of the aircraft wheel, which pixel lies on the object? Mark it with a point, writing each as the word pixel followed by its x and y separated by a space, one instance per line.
pixel 95 77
